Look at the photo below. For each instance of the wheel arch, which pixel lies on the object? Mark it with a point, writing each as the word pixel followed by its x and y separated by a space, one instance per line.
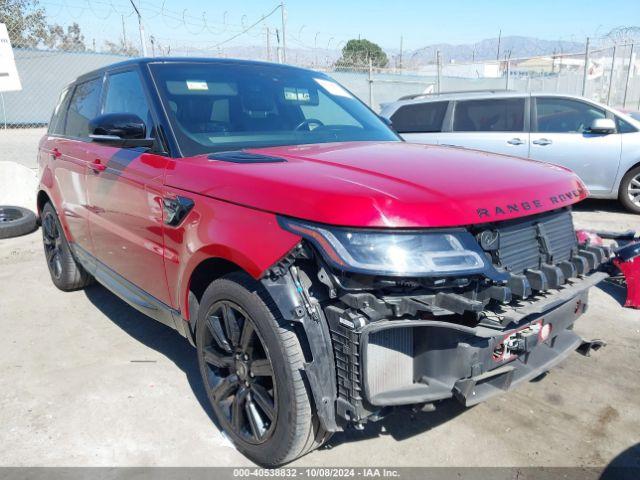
pixel 42 199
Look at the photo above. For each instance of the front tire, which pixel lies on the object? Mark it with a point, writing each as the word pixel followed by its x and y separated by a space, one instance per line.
pixel 629 194
pixel 251 363
pixel 66 273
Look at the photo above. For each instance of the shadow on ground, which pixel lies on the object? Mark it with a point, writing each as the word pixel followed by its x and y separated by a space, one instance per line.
pixel 617 292
pixel 596 205
pixel 154 335
pixel 625 466
pixel 400 425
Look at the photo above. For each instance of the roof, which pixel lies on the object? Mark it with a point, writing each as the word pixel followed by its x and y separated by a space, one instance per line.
pixel 214 61
pixel 473 95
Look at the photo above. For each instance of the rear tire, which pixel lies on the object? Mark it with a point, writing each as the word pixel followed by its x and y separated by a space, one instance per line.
pixel 66 273
pixel 286 424
pixel 629 194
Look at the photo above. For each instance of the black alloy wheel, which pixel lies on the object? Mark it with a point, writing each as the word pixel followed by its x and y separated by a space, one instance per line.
pixel 239 374
pixel 52 239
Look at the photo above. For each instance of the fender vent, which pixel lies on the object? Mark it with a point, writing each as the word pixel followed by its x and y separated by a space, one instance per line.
pixel 240 156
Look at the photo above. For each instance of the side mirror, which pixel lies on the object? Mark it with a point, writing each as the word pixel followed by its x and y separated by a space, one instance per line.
pixel 602 125
pixel 119 130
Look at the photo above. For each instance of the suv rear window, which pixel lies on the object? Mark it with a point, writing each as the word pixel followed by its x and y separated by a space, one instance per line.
pixel 491 115
pixel 420 117
pixel 83 107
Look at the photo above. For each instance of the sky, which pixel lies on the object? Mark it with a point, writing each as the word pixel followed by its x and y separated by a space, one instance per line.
pixel 325 23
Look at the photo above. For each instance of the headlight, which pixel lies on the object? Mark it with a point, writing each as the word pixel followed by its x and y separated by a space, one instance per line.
pixel 393 252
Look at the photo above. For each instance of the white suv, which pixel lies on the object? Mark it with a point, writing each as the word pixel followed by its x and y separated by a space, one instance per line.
pixel 600 144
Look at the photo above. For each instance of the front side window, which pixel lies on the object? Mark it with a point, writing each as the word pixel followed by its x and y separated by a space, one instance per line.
pixel 226 106
pixel 125 94
pixel 563 115
pixel 491 115
pixel 84 106
pixel 420 117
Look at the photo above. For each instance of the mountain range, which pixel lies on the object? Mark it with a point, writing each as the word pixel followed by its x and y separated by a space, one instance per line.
pixel 487 49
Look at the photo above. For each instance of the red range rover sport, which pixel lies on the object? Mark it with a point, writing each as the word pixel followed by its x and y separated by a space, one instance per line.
pixel 325 271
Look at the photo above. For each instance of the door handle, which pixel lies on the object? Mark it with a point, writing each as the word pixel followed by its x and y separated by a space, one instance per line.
pixel 97 166
pixel 515 141
pixel 55 153
pixel 542 141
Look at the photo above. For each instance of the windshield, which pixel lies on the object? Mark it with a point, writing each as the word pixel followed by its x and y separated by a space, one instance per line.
pixel 225 106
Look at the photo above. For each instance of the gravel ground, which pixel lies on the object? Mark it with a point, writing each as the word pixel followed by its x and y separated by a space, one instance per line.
pixel 85 380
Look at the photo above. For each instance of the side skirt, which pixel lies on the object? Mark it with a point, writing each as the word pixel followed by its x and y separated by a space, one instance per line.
pixel 132 294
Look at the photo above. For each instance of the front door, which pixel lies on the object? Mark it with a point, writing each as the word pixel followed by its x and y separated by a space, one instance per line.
pixel 560 135
pixel 125 195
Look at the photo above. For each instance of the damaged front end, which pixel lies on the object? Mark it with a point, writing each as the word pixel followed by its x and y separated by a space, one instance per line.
pixel 410 317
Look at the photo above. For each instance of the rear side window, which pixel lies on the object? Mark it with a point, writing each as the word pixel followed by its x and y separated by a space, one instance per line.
pixel 419 117
pixel 495 115
pixel 83 107
pixel 563 115
pixel 56 125
pixel 125 94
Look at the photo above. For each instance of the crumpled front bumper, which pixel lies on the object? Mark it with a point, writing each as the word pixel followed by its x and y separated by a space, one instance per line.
pixel 420 361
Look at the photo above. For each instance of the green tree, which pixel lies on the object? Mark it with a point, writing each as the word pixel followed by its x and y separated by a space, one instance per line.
pixel 25 21
pixel 356 53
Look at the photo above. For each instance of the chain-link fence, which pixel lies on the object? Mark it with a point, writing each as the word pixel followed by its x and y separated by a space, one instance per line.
pixel 54 56
pixel 610 76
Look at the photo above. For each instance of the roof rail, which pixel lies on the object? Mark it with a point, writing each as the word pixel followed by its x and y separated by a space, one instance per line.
pixel 435 94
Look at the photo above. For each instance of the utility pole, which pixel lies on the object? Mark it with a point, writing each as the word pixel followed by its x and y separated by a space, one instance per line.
pixel 400 57
pixel 124 33
pixel 499 40
pixel 283 11
pixel 626 84
pixel 613 67
pixel 268 45
pixel 586 69
pixel 315 49
pixel 438 70
pixel 143 42
pixel 278 49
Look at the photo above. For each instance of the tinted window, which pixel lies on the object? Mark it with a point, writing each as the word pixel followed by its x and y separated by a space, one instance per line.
pixel 623 126
pixel 499 115
pixel 228 106
pixel 420 118
pixel 562 115
pixel 56 125
pixel 83 107
pixel 125 94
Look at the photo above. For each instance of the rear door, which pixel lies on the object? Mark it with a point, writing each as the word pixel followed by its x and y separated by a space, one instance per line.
pixel 497 125
pixel 560 135
pixel 126 197
pixel 420 122
pixel 69 156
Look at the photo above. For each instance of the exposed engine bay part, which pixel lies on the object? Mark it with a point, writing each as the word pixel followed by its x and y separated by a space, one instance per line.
pixel 376 342
pixel 623 265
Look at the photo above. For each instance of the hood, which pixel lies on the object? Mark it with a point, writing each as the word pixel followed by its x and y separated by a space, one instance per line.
pixel 384 184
